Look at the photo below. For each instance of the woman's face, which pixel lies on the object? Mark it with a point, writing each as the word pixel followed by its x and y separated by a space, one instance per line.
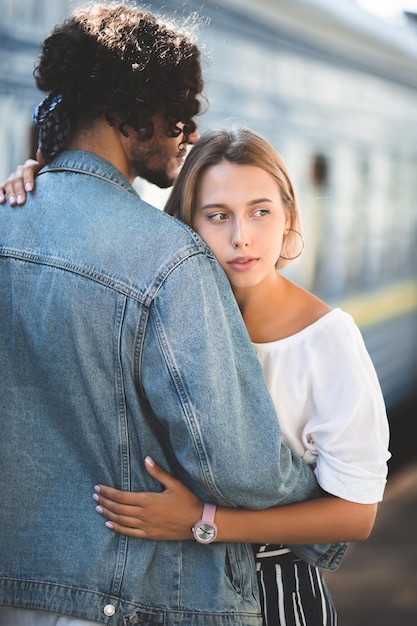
pixel 240 215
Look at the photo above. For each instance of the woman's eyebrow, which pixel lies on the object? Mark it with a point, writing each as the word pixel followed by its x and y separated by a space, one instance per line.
pixel 257 200
pixel 214 205
pixel 221 205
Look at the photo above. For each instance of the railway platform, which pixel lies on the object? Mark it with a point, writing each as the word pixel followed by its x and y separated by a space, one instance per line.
pixel 376 584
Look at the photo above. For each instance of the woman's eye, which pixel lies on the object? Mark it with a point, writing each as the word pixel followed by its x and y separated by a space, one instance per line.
pixel 261 212
pixel 217 217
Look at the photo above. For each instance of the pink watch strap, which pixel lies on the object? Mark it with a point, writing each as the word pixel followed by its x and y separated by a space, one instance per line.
pixel 209 511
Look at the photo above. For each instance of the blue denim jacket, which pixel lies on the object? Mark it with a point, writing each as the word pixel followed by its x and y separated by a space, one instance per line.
pixel 120 338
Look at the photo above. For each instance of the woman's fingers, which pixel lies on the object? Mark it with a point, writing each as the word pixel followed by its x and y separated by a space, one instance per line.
pixel 167 515
pixel 161 475
pixel 21 181
pixel 14 188
pixel 116 496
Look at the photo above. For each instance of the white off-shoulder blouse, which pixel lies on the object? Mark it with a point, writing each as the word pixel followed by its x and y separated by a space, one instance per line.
pixel 330 405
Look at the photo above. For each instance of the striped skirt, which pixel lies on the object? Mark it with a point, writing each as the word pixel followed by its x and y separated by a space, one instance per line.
pixel 293 593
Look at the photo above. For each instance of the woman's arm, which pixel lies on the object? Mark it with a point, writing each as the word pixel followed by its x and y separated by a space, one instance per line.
pixel 21 181
pixel 171 514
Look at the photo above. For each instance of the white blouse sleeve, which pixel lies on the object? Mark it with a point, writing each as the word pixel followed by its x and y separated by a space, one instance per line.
pixel 330 405
pixel 348 426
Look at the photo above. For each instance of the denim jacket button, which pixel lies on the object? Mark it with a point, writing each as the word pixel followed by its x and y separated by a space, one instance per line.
pixel 109 610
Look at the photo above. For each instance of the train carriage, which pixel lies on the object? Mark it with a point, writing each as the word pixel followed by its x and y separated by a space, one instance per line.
pixel 335 90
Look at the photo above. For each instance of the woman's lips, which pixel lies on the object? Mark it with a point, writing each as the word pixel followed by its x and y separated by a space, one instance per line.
pixel 242 263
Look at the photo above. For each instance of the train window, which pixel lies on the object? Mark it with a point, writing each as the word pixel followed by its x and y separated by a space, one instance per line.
pixel 319 170
pixel 317 223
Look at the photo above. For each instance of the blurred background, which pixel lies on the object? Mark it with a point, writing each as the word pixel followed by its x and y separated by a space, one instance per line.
pixel 333 85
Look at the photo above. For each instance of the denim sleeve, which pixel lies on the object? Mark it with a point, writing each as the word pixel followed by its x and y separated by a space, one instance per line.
pixel 206 387
pixel 324 555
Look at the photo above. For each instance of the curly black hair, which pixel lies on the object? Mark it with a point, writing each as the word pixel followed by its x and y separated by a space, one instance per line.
pixel 116 60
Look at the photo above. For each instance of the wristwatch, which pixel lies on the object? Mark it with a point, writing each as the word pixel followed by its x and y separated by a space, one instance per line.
pixel 205 530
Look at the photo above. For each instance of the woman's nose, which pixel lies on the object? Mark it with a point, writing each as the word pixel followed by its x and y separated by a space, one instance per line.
pixel 240 237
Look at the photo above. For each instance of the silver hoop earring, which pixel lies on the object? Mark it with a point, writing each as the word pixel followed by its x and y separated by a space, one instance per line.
pixel 291 258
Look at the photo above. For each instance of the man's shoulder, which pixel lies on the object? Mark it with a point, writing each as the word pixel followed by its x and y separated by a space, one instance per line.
pixel 111 194
pixel 153 224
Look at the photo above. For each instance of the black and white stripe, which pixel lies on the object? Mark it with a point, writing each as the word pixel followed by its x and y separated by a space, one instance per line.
pixel 293 593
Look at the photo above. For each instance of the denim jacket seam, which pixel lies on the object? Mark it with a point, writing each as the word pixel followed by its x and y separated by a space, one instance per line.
pixel 65 264
pixel 125 466
pixel 188 412
pixel 112 177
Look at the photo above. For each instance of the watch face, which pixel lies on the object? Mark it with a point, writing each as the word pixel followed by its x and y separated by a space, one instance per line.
pixel 205 532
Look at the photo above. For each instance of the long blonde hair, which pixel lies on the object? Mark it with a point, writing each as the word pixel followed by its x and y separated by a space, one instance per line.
pixel 243 147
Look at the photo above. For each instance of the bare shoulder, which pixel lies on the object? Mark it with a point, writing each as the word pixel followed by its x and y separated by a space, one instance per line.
pixel 288 310
pixel 303 309
pixel 310 307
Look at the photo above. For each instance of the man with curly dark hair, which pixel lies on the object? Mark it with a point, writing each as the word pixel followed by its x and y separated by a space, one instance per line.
pixel 120 338
pixel 116 73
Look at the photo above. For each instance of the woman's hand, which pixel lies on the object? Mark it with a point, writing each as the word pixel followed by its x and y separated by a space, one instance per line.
pixel 168 515
pixel 21 181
